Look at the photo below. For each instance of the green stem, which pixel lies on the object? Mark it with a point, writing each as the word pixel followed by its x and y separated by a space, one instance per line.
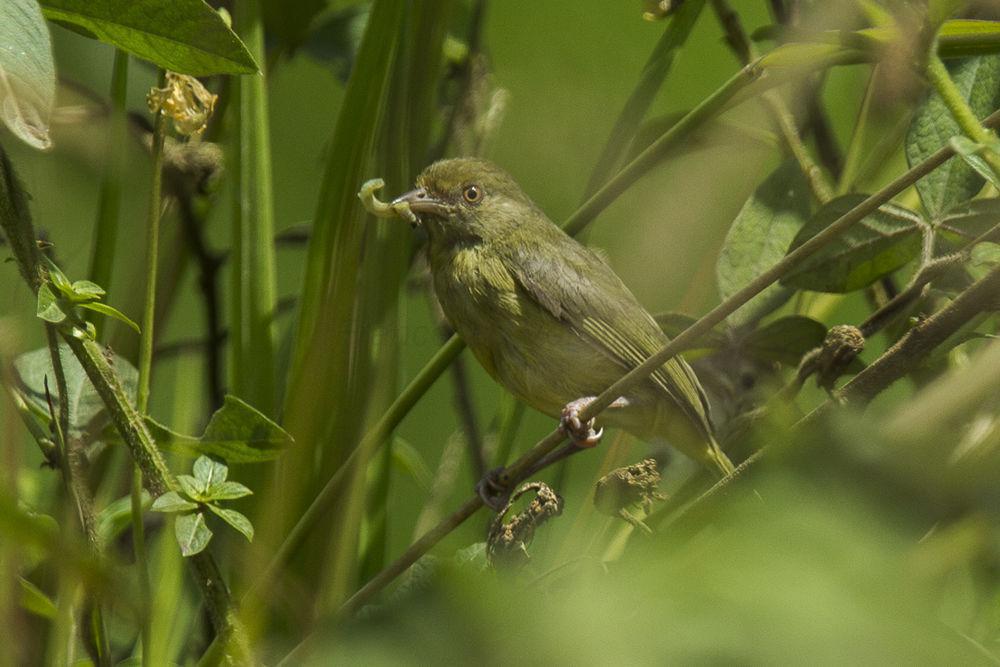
pixel 102 257
pixel 852 161
pixel 961 111
pixel 142 565
pixel 252 372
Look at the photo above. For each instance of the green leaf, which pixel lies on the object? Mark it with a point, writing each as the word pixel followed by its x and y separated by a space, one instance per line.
pixel 192 533
pixel 192 487
pixel 84 290
pixel 185 36
pixel 759 238
pixel 237 433
pixel 171 501
pixel 336 39
pixel 114 519
pixel 48 307
pixel 86 409
pixel 932 127
pixel 875 246
pixel 972 153
pixel 210 472
pixel 228 491
pixel 111 311
pixel 984 258
pixel 289 23
pixel 970 220
pixel 407 459
pixel 785 340
pixel 27 73
pixel 236 520
pixel 34 601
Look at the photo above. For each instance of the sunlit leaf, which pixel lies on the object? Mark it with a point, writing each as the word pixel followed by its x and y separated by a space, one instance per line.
pixel 48 307
pixel 185 36
pixel 192 533
pixel 171 501
pixel 759 238
pixel 111 311
pixel 27 73
pixel 35 601
pixel 875 246
pixel 236 520
pixel 228 491
pixel 209 472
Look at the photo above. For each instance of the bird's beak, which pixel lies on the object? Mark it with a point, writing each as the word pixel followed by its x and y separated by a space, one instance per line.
pixel 421 202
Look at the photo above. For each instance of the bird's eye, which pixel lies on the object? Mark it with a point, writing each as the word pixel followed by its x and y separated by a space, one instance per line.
pixel 472 194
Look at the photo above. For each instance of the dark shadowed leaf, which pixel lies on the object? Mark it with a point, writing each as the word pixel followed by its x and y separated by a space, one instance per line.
pixel 759 238
pixel 876 246
pixel 237 433
pixel 192 533
pixel 933 126
pixel 86 409
pixel 971 219
pixel 27 74
pixel 336 39
pixel 288 23
pixel 186 36
pixel 785 340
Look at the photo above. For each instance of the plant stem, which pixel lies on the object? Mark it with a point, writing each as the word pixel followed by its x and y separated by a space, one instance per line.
pixel 961 111
pixel 102 257
pixel 146 366
pixel 682 341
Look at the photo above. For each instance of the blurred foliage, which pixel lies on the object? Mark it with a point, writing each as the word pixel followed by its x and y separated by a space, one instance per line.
pixel 850 535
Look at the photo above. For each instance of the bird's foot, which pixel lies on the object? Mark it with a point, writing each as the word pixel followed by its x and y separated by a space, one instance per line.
pixel 583 434
pixel 493 490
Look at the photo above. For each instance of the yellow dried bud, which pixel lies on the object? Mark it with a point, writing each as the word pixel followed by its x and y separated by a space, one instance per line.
pixel 186 101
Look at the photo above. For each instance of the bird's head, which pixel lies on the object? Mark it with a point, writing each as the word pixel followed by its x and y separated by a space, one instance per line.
pixel 468 200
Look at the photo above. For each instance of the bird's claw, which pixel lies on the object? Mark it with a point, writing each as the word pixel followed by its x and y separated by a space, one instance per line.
pixel 582 434
pixel 492 490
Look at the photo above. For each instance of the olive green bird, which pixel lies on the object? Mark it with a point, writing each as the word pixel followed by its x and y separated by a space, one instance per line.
pixel 546 317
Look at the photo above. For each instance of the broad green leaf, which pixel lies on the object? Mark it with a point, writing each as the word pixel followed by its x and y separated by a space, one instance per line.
pixel 237 433
pixel 185 36
pixel 86 409
pixel 192 487
pixel 171 501
pixel 954 182
pixel 759 238
pixel 236 520
pixel 27 73
pixel 785 340
pixel 209 472
pixel 874 247
pixel 972 154
pixel 111 311
pixel 35 601
pixel 228 491
pixel 970 220
pixel 192 533
pixel 48 307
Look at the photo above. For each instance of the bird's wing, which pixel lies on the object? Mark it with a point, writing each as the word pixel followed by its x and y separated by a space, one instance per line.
pixel 576 286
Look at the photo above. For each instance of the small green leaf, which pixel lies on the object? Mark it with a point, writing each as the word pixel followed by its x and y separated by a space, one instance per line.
pixel 933 126
pixel 192 533
pixel 171 501
pixel 874 247
pixel 114 519
pixel 192 487
pixel 48 307
pixel 759 238
pixel 209 472
pixel 185 36
pixel 236 520
pixel 27 73
pixel 237 433
pixel 84 290
pixel 785 340
pixel 35 601
pixel 228 491
pixel 111 311
pixel 972 153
